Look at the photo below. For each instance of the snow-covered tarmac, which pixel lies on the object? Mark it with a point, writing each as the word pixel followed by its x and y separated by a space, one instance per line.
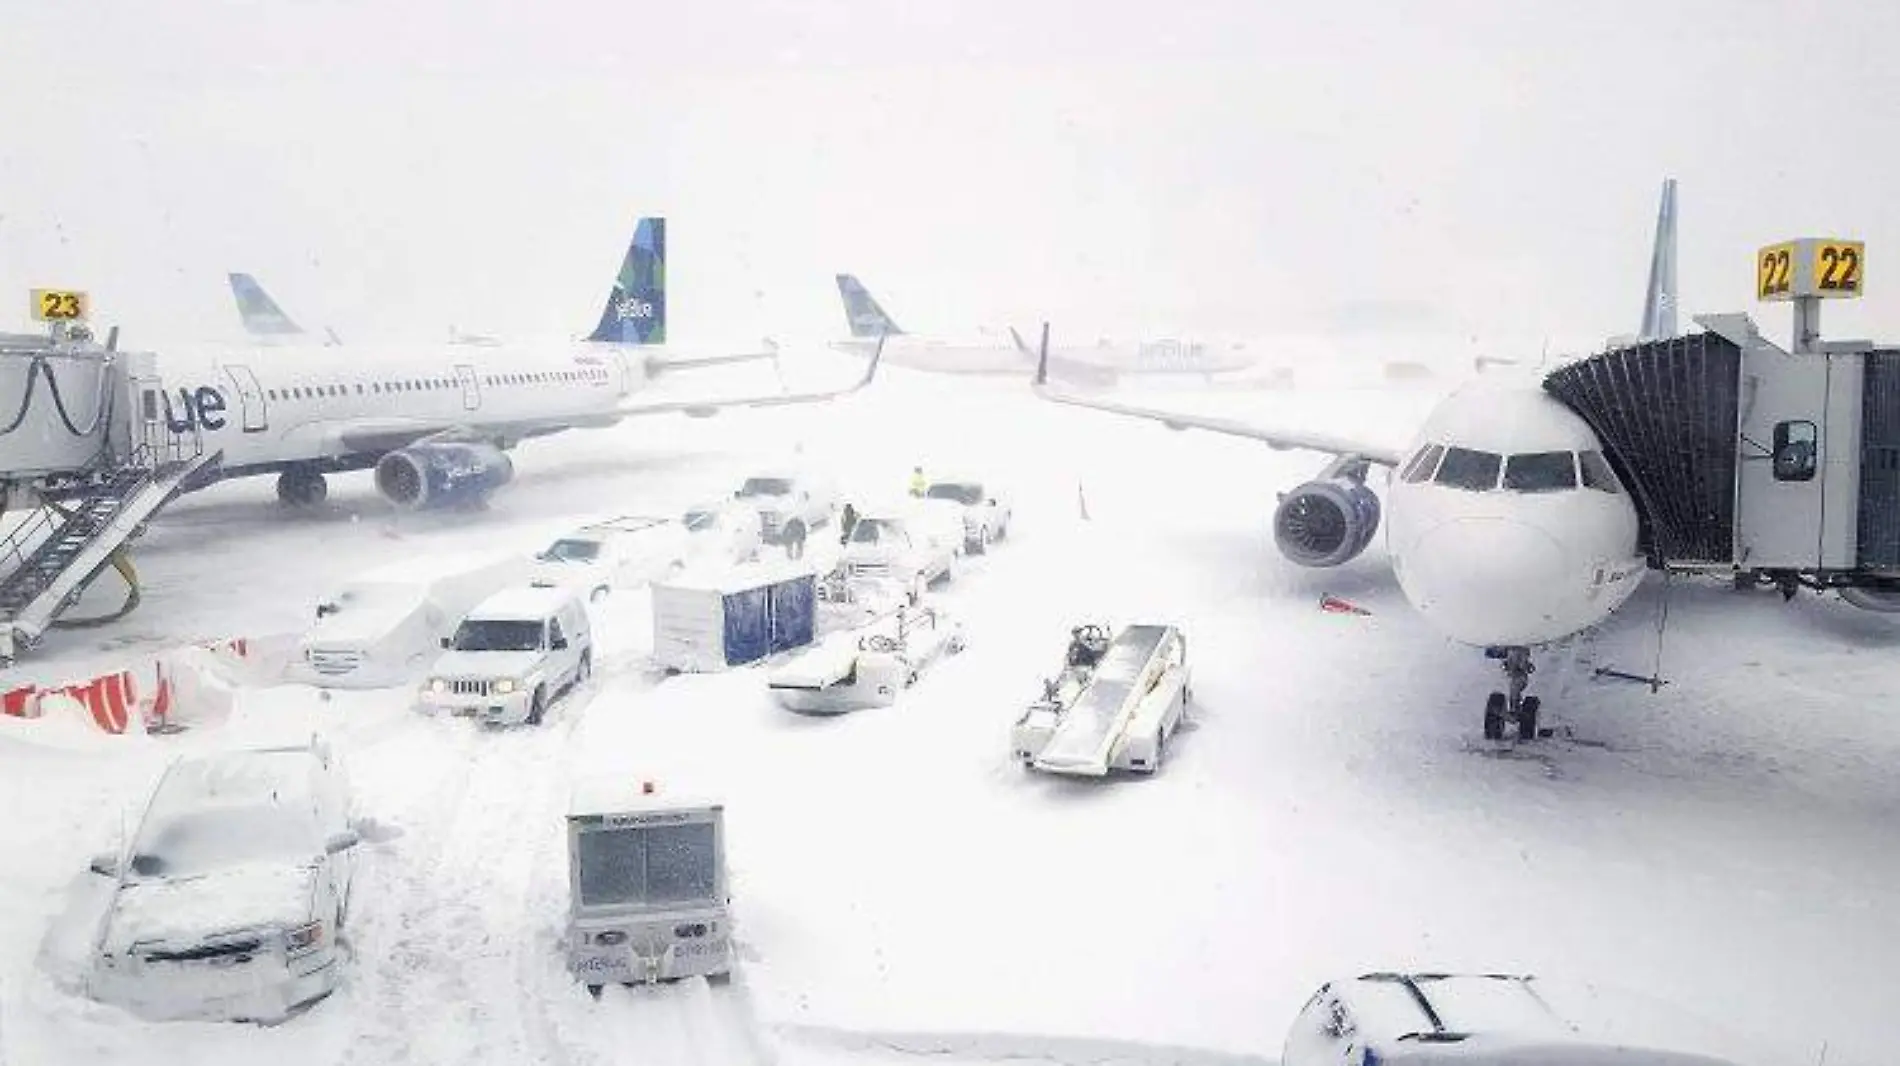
pixel 1726 845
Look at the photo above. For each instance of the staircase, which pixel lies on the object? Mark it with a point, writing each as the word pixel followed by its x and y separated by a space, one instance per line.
pixel 59 553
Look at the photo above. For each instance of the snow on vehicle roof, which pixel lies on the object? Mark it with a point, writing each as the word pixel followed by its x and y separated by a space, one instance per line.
pixel 724 579
pixel 523 602
pixel 237 778
pixel 622 524
pixel 1518 1051
pixel 627 794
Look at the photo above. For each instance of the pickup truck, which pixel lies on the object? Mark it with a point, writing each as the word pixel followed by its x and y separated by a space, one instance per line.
pixel 790 505
pixel 903 545
pixel 983 511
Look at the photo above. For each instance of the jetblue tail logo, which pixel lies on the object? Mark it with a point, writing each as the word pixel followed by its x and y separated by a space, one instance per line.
pixel 260 314
pixel 636 308
pixel 867 319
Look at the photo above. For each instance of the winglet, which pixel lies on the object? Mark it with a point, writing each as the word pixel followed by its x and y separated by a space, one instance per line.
pixel 1042 359
pixel 876 354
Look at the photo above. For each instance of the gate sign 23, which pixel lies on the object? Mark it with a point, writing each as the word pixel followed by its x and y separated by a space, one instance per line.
pixel 59 305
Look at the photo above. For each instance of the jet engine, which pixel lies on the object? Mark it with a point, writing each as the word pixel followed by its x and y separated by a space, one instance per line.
pixel 1326 522
pixel 432 474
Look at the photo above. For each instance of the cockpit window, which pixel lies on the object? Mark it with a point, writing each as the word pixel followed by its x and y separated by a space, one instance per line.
pixel 1422 464
pixel 1541 472
pixel 1597 473
pixel 1469 470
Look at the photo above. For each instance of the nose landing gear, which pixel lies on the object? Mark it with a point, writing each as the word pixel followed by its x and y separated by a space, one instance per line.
pixel 1512 706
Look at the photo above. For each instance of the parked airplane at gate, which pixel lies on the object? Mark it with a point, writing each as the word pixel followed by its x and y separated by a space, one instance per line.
pixel 1099 364
pixel 1507 527
pixel 435 422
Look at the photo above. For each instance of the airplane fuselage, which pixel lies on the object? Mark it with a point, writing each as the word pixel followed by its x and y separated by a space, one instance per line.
pixel 1522 541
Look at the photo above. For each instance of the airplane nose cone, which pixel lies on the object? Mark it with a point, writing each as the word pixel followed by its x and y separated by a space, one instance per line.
pixel 1489 581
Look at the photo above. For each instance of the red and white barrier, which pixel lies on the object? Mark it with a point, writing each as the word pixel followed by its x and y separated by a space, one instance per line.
pixel 22 702
pixel 160 694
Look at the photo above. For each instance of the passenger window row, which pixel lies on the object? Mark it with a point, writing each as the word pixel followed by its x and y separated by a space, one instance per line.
pixel 1477 471
pixel 317 392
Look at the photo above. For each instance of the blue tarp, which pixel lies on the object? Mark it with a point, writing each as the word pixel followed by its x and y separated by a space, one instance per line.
pixel 769 619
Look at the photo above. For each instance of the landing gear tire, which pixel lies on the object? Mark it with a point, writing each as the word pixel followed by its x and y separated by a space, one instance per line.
pixel 538 707
pixel 1494 716
pixel 1527 718
pixel 302 488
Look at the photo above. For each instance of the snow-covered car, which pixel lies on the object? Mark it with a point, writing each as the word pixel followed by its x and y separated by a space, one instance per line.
pixel 617 553
pixel 383 628
pixel 982 508
pixel 905 545
pixel 789 505
pixel 725 532
pixel 228 900
pixel 517 652
pixel 1482 1019
pixel 866 666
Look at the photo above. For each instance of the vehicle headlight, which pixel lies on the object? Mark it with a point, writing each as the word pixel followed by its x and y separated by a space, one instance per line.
pixel 438 686
pixel 506 685
pixel 303 938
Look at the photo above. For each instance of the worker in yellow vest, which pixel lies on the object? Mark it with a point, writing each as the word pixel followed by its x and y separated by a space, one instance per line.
pixel 918 482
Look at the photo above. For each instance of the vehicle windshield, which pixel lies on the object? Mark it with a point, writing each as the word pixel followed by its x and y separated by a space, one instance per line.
pixel 191 843
pixel 489 635
pixel 647 865
pixel 961 492
pixel 568 550
pixel 876 531
pixel 765 486
pixel 701 521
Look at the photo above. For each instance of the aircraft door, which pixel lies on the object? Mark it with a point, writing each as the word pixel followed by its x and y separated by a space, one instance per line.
pixel 471 387
pixel 255 418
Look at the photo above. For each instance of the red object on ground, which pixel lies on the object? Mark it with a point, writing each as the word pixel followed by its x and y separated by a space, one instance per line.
pixel 1335 605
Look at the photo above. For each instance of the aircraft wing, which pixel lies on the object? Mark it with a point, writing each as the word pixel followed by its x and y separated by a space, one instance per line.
pixel 657 366
pixel 1283 430
pixel 702 406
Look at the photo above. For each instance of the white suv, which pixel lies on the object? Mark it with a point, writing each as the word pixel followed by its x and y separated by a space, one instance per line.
pixel 512 656
pixel 790 506
pixel 901 546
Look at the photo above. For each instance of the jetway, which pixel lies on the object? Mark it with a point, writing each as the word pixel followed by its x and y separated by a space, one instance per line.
pixel 1780 465
pixel 88 445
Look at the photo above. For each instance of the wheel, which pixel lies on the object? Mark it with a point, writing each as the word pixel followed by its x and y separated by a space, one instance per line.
pixel 1494 716
pixel 538 707
pixel 599 594
pixel 302 488
pixel 596 990
pixel 1527 718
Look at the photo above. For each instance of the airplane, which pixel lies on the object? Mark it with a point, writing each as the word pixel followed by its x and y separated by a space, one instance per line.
pixel 1507 527
pixel 1100 364
pixel 435 423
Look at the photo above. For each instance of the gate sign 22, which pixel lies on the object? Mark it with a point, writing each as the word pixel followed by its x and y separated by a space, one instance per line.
pixel 59 305
pixel 1810 267
pixel 1837 268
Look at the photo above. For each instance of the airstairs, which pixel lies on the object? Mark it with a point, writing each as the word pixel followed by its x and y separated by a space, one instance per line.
pixel 90 443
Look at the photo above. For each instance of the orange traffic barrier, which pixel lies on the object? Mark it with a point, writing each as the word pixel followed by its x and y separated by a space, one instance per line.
pixel 109 699
pixel 21 702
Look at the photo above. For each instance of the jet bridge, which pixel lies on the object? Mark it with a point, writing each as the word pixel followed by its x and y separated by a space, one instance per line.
pixel 1779 465
pixel 89 444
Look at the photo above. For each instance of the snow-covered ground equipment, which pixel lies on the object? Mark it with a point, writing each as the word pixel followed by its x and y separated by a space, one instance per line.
pixel 869 665
pixel 704 623
pixel 648 897
pixel 907 543
pixel 1114 706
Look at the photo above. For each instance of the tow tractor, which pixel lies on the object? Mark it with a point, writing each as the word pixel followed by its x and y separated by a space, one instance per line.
pixel 867 665
pixel 1115 704
pixel 648 896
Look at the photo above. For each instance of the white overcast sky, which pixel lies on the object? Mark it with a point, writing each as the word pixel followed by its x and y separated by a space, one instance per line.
pixel 1453 167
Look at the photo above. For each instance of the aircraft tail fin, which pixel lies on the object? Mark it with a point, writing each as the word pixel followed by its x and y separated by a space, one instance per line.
pixel 260 314
pixel 867 319
pixel 636 306
pixel 1659 302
